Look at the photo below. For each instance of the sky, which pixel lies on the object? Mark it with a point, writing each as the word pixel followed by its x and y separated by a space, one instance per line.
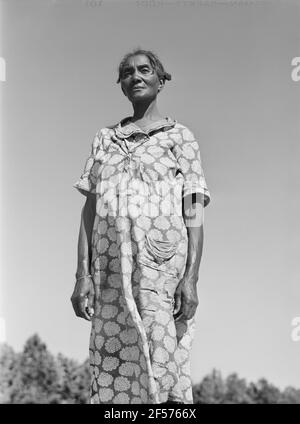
pixel 231 84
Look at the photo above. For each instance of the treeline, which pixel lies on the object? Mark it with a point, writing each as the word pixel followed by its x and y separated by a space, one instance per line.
pixel 36 376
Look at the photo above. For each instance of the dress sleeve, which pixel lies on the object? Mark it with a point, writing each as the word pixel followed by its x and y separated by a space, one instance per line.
pixel 88 180
pixel 187 153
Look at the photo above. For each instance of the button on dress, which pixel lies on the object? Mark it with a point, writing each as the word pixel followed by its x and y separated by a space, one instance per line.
pixel 138 352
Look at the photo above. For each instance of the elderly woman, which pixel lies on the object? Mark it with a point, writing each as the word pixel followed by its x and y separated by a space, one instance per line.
pixel 140 246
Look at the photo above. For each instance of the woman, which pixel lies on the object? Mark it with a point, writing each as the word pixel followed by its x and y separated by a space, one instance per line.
pixel 140 246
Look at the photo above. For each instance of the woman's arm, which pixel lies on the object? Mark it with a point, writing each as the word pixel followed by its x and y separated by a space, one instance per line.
pixel 193 218
pixel 84 286
pixel 85 236
pixel 186 297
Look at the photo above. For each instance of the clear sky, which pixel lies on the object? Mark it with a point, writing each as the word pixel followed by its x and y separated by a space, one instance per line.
pixel 231 85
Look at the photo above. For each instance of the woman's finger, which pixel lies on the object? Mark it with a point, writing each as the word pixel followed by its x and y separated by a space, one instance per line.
pixel 177 304
pixel 82 304
pixel 90 304
pixel 188 310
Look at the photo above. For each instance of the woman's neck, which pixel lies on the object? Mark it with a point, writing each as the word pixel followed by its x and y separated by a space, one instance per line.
pixel 145 113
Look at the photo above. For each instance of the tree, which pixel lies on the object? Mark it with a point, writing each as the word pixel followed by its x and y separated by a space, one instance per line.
pixel 211 390
pixel 8 371
pixel 74 380
pixel 264 392
pixel 236 390
pixel 37 377
pixel 290 395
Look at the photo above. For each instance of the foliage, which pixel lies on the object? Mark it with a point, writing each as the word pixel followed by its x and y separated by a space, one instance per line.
pixel 9 364
pixel 36 376
pixel 74 380
pixel 214 389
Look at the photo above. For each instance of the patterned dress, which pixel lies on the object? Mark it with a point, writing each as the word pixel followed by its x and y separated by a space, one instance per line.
pixel 138 352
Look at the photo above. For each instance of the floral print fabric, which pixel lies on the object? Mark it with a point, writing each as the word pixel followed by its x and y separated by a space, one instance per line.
pixel 138 352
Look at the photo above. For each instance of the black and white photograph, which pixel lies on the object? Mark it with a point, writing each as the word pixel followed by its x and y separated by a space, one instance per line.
pixel 150 202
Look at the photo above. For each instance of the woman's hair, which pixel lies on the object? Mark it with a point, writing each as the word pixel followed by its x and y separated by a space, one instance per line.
pixel 155 63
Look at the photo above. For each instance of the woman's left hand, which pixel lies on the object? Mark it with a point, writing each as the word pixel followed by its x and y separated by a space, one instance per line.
pixel 186 299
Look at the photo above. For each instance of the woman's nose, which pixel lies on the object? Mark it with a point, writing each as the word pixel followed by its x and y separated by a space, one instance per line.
pixel 136 76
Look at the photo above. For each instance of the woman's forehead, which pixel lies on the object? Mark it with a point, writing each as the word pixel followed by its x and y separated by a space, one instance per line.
pixel 137 60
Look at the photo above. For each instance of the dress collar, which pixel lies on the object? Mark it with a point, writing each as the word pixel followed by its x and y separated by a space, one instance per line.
pixel 125 128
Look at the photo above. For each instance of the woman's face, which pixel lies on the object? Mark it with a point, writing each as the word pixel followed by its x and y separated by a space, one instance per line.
pixel 139 81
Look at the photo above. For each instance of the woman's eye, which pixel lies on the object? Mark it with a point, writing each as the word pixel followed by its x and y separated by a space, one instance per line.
pixel 125 74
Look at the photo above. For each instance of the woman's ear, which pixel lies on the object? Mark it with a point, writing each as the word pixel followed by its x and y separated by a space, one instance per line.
pixel 161 86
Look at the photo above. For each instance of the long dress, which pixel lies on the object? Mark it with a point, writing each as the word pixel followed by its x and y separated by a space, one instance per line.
pixel 138 352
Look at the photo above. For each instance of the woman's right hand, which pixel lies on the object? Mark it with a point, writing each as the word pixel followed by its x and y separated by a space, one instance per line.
pixel 84 291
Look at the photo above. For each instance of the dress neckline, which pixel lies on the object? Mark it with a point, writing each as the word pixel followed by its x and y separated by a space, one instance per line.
pixel 125 128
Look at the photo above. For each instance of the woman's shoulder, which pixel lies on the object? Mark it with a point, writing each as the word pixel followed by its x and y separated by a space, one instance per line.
pixel 108 129
pixel 186 132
